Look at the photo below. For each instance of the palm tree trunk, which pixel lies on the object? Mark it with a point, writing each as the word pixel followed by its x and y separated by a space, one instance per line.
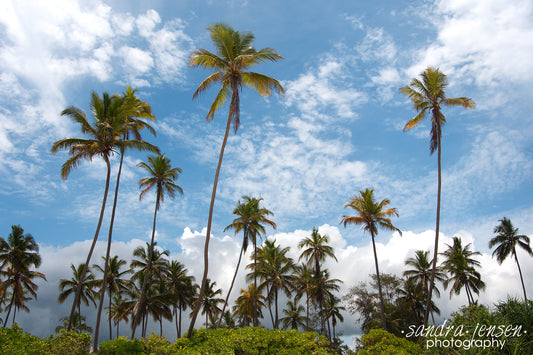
pixel 95 239
pixel 521 278
pixel 9 309
pixel 148 268
pixel 208 233
pixel 307 312
pixel 161 326
pixel 276 304
pixel 110 325
pixel 437 225
pixel 14 315
pixel 179 332
pixel 176 319
pixel 231 286
pixel 255 281
pixel 381 302
pixel 107 254
pixel 270 306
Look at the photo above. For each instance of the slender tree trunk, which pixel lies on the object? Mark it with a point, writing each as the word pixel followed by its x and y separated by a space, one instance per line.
pixel 329 330
pixel 270 307
pixel 14 315
pixel 148 268
pixel 255 281
pixel 307 312
pixel 110 325
pixel 276 304
pixel 161 326
pixel 437 225
pixel 198 303
pixel 381 302
pixel 118 324
pixel 231 286
pixel 179 332
pixel 95 239
pixel 9 309
pixel 176 319
pixel 106 268
pixel 521 278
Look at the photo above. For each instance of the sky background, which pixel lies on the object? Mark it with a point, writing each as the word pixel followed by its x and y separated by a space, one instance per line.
pixel 337 130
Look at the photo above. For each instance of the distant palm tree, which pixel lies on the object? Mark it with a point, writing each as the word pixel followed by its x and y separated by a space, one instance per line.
pixel 316 251
pixel 507 239
pixel 303 283
pixel 420 273
pixel 332 310
pixel 428 96
pixel 162 177
pixel 118 310
pixel 69 287
pixel 181 285
pixel 115 281
pixel 17 255
pixel 251 217
pixel 211 301
pixel 275 270
pixel 249 304
pixel 293 316
pixel 460 266
pixel 107 126
pixel 322 288
pixel 79 324
pixel 372 214
pixel 234 54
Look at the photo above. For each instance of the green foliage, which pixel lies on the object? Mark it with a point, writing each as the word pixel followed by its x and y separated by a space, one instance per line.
pixel 379 341
pixel 17 342
pixel 66 343
pixel 122 345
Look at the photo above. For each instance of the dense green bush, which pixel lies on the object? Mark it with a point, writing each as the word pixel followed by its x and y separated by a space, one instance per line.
pixel 379 341
pixel 17 342
pixel 121 345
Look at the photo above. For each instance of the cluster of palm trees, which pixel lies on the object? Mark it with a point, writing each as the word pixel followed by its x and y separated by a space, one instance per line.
pixel 18 255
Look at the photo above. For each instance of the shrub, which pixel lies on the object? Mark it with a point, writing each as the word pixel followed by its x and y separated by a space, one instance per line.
pixel 121 345
pixel 379 341
pixel 17 342
pixel 66 343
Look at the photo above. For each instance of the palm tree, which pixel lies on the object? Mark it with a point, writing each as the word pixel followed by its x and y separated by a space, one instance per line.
pixel 460 266
pixel 428 95
pixel 249 304
pixel 316 251
pixel 234 54
pixel 69 287
pixel 303 283
pixel 251 217
pixel 293 317
pixel 182 287
pixel 132 107
pixel 79 324
pixel 163 177
pixel 507 238
pixel 420 273
pixel 332 310
pixel 371 215
pixel 118 310
pixel 115 282
pixel 321 289
pixel 108 125
pixel 18 254
pixel 275 270
pixel 210 302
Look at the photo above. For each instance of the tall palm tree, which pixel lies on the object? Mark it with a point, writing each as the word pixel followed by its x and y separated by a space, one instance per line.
pixel 103 133
pixel 303 283
pixel 275 269
pixel 293 317
pixel 182 287
pixel 249 304
pixel 234 55
pixel 118 310
pixel 69 287
pixel 420 273
pixel 461 268
pixel 372 214
pixel 115 281
pixel 17 255
pixel 321 289
pixel 428 96
pixel 162 177
pixel 316 251
pixel 251 217
pixel 132 109
pixel 507 239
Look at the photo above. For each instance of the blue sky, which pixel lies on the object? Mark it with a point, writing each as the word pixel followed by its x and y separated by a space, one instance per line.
pixel 338 128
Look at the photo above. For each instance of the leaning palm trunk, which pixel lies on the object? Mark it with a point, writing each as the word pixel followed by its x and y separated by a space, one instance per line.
pixel 95 239
pixel 437 225
pixel 231 286
pixel 106 268
pixel 521 278
pixel 198 302
pixel 147 276
pixel 381 302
